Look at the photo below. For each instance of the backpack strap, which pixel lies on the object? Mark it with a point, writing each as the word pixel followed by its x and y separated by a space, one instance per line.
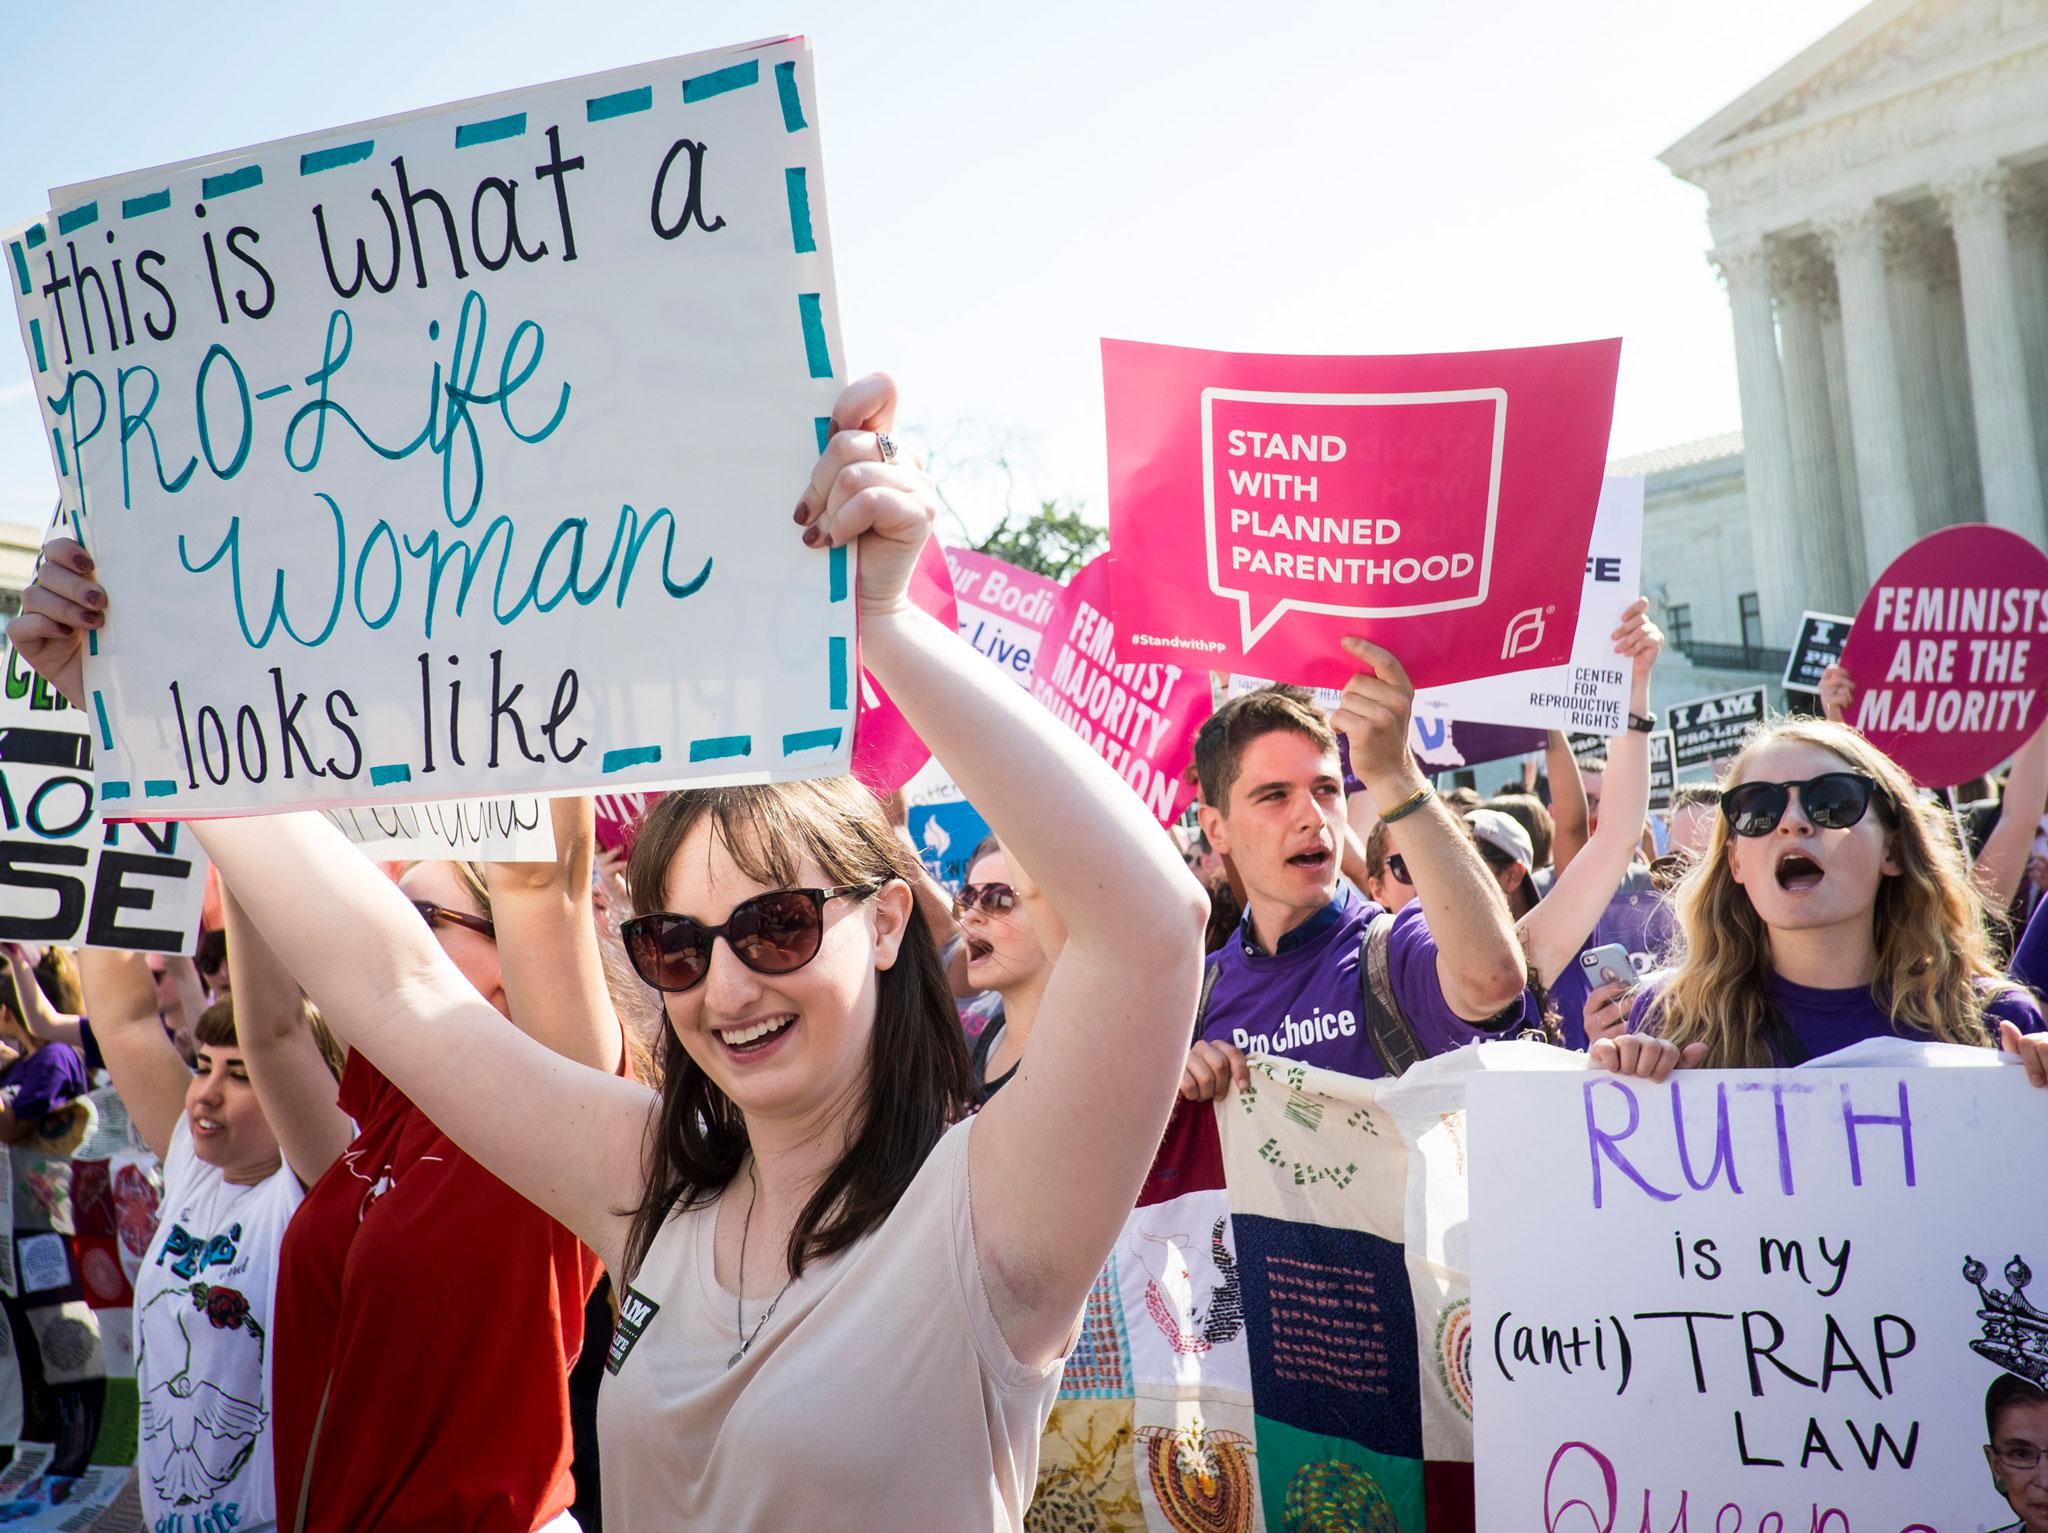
pixel 1387 1028
pixel 1202 1006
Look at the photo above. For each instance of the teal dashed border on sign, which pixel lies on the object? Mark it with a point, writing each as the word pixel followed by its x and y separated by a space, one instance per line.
pixel 314 161
pixel 811 740
pixel 113 790
pixel 719 81
pixel 631 756
pixel 792 104
pixel 148 202
pixel 231 181
pixel 721 747
pixel 35 334
pixel 159 787
pixel 837 576
pixel 21 266
pixel 799 191
pixel 512 125
pixel 397 771
pixel 83 216
pixel 99 707
pixel 36 235
pixel 836 662
pixel 618 104
pixel 811 309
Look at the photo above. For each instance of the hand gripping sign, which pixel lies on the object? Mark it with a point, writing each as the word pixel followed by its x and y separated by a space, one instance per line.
pixel 1140 717
pixel 1950 652
pixel 1262 507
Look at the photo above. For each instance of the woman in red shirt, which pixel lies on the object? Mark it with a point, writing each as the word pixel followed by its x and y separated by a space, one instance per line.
pixel 428 1315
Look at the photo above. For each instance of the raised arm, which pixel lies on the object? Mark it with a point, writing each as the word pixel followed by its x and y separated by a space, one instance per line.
pixel 37 1014
pixel 1056 1160
pixel 1569 810
pixel 2003 862
pixel 563 1135
pixel 297 1092
pixel 547 944
pixel 1479 960
pixel 120 997
pixel 1557 928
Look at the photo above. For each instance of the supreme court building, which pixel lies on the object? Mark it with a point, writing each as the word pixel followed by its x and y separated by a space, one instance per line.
pixel 1878 210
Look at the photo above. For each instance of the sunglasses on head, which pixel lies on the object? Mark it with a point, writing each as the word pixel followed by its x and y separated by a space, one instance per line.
pixel 438 915
pixel 773 933
pixel 1397 869
pixel 1831 801
pixel 989 899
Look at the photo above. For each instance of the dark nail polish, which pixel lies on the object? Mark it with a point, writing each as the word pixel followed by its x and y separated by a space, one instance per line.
pixel 812 537
pixel 803 513
pixel 95 597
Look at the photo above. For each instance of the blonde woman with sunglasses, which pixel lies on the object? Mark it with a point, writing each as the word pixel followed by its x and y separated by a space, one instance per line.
pixel 1831 906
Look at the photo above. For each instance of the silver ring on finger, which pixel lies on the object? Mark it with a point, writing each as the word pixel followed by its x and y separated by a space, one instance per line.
pixel 886 446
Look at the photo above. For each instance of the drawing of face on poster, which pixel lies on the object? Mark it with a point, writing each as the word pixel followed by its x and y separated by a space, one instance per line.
pixel 2016 1405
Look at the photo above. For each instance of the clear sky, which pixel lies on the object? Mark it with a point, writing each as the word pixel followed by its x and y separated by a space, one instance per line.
pixel 1009 183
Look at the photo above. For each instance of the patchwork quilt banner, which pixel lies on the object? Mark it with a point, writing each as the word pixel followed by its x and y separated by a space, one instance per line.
pixel 1282 1338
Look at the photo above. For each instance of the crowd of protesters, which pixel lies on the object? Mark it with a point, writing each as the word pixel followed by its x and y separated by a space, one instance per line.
pixel 458 1225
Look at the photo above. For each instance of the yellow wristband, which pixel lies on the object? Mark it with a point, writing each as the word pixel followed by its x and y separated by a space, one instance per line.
pixel 1409 805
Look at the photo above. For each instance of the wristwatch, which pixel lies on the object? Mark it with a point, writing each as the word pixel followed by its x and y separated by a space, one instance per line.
pixel 1641 723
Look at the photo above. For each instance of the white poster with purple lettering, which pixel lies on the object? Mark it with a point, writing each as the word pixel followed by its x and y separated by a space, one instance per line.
pixel 1766 1300
pixel 451 454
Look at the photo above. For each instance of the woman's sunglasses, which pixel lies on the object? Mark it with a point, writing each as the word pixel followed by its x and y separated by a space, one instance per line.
pixel 436 915
pixel 1397 869
pixel 1831 801
pixel 775 933
pixel 989 899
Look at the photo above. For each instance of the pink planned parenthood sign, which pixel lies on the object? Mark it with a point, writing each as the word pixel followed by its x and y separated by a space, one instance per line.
pixel 1140 716
pixel 1262 507
pixel 1949 653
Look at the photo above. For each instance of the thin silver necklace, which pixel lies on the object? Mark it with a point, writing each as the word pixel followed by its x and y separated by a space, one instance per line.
pixel 738 1312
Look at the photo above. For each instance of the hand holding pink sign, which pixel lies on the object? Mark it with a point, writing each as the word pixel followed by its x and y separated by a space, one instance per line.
pixel 1141 718
pixel 1262 508
pixel 1950 652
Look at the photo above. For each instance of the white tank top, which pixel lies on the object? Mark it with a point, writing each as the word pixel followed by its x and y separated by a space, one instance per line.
pixel 880 1394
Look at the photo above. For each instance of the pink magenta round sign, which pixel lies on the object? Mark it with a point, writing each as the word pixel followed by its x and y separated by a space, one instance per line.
pixel 1950 652
pixel 1141 717
pixel 886 750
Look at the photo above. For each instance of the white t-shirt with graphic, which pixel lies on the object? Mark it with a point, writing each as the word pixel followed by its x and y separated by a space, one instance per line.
pixel 203 1306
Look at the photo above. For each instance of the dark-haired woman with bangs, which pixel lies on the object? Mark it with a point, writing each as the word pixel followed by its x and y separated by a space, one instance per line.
pixel 1831 906
pixel 845 1299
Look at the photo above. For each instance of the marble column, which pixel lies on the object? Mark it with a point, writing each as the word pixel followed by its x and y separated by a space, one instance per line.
pixel 2027 222
pixel 1958 413
pixel 1909 269
pixel 1975 201
pixel 1803 284
pixel 1766 440
pixel 1860 573
pixel 1884 479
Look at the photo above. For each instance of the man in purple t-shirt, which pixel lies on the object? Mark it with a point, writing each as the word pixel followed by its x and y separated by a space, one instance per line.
pixel 1288 982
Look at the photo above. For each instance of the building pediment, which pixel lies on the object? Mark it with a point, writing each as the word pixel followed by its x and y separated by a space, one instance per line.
pixel 1889 49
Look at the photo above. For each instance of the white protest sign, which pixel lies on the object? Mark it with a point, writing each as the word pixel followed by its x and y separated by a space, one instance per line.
pixel 66 876
pixel 1754 1299
pixel 473 830
pixel 1590 692
pixel 452 453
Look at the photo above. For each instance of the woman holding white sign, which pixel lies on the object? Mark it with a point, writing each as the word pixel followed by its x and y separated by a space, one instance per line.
pixel 1832 905
pixel 848 1297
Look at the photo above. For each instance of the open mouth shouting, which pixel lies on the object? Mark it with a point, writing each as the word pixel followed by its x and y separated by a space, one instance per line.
pixel 1315 859
pixel 1798 873
pixel 979 948
pixel 754 1039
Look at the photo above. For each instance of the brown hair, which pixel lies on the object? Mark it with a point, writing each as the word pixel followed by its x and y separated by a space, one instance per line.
pixel 1527 811
pixel 57 975
pixel 1935 971
pixel 215 1029
pixel 1221 742
pixel 918 1079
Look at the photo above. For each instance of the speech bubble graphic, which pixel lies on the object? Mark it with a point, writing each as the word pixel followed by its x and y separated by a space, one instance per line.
pixel 1387 500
